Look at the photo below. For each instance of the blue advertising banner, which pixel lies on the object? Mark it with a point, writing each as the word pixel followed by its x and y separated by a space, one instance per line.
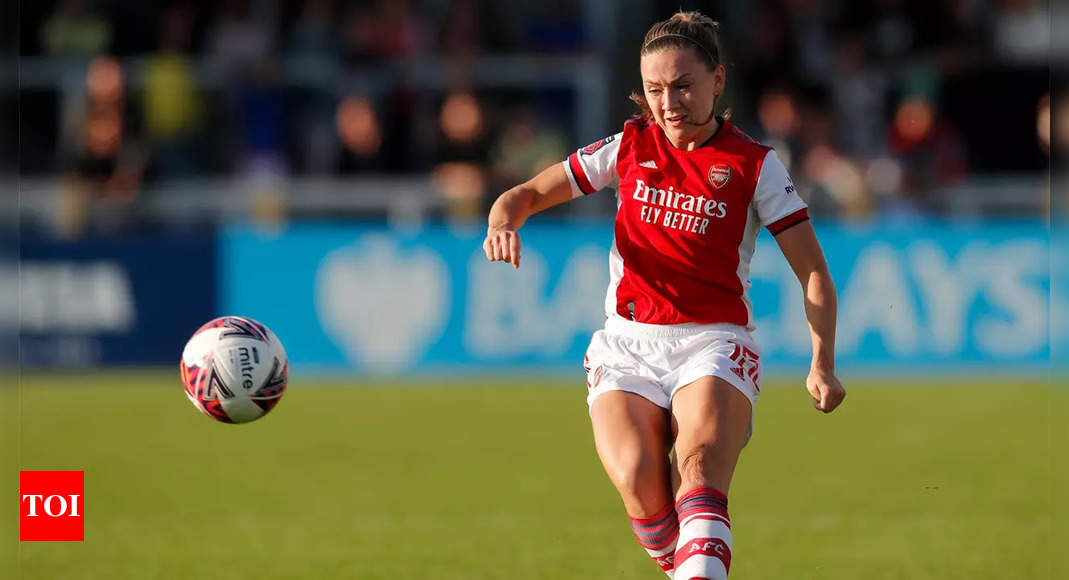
pixel 114 301
pixel 383 301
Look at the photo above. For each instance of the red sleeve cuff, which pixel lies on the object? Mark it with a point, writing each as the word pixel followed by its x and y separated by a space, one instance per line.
pixel 788 221
pixel 579 174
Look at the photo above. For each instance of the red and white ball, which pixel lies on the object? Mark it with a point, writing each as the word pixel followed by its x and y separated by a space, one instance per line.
pixel 234 369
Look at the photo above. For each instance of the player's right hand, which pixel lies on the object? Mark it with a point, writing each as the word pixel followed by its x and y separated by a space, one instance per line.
pixel 502 246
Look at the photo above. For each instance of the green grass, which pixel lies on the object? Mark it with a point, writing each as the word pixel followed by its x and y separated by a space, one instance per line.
pixel 493 480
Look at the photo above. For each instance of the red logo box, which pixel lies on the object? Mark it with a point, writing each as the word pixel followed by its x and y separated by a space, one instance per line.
pixel 52 506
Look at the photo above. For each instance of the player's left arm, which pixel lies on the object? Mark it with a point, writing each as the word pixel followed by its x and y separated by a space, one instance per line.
pixel 802 250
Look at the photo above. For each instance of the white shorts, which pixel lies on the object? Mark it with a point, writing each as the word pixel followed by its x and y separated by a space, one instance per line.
pixel 654 361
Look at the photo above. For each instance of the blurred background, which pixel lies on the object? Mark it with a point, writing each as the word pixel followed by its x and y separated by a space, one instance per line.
pixel 326 166
pixel 354 148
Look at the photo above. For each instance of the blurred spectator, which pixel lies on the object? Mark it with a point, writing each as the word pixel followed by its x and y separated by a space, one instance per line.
pixel 171 109
pixel 391 29
pixel 930 150
pixel 313 47
pixel 314 35
pixel 462 154
pixel 463 185
pixel 525 147
pixel 951 34
pixel 764 58
pixel 821 81
pixel 858 97
pixel 1022 30
pixel 358 35
pixel 461 120
pixel 401 31
pixel 471 27
pixel 822 174
pixel 839 178
pixel 777 112
pixel 262 115
pixel 1043 115
pixel 263 164
pixel 236 43
pixel 892 32
pixel 108 165
pixel 76 30
pixel 814 51
pixel 360 133
pixel 460 29
pixel 555 27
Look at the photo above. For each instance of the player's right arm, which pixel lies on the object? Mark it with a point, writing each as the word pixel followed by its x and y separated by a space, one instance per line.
pixel 549 188
pixel 587 170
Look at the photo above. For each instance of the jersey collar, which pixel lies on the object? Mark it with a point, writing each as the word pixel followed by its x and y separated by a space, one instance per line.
pixel 719 130
pixel 721 123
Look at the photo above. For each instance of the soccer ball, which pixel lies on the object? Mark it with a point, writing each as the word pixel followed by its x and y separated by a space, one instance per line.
pixel 234 369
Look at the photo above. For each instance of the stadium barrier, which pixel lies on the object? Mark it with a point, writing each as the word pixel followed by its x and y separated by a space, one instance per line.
pixel 917 296
pixel 126 300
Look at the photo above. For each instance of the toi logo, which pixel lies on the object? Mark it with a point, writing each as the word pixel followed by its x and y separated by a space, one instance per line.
pixel 51 506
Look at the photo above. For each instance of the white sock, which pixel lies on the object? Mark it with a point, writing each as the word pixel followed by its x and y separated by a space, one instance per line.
pixel 703 551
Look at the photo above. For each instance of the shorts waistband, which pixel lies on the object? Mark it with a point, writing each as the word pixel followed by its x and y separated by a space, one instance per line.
pixel 625 327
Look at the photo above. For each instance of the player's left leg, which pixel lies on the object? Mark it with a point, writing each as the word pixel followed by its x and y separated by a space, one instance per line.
pixel 631 436
pixel 711 419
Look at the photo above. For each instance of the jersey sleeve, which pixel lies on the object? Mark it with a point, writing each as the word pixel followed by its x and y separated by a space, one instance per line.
pixel 593 167
pixel 775 197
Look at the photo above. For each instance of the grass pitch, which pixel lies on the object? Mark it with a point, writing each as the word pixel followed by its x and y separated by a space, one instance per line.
pixel 488 480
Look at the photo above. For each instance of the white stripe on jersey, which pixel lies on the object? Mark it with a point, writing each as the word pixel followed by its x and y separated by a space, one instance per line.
pixel 576 192
pixel 599 165
pixel 746 250
pixel 616 273
pixel 774 195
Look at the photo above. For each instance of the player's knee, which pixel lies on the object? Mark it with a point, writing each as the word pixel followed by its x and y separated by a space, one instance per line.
pixel 699 464
pixel 629 479
pixel 638 481
pixel 626 482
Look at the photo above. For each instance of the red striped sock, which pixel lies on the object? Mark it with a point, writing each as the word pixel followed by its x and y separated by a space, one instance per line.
pixel 658 534
pixel 703 551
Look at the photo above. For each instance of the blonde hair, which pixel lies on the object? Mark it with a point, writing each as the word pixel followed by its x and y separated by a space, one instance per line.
pixel 683 30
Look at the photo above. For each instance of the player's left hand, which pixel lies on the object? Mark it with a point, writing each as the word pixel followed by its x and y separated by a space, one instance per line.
pixel 826 390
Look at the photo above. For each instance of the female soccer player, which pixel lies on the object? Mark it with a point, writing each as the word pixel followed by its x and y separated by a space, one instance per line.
pixel 675 367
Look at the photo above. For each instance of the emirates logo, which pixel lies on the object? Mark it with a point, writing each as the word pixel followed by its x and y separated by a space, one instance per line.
pixel 719 175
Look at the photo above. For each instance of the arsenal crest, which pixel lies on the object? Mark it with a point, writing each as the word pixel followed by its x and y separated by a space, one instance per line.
pixel 719 175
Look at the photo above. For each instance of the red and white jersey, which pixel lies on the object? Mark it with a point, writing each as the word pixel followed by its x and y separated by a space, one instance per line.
pixel 686 221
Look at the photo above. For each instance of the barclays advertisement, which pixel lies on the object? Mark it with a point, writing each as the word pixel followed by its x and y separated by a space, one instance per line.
pixel 382 301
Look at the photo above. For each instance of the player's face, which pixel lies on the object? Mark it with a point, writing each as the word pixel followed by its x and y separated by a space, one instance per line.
pixel 681 92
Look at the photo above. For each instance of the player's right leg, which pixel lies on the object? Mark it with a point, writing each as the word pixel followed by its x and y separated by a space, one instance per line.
pixel 632 436
pixel 712 418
